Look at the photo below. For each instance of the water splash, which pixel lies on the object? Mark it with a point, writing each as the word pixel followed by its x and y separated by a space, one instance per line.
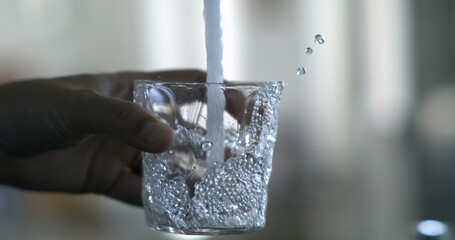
pixel 319 39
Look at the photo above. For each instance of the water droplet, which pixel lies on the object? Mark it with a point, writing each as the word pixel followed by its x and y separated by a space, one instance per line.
pixel 206 146
pixel 319 39
pixel 308 51
pixel 301 71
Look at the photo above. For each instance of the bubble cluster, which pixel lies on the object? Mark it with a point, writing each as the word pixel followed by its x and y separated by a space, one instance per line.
pixel 232 195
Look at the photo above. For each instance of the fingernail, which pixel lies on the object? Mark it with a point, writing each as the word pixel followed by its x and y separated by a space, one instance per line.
pixel 155 134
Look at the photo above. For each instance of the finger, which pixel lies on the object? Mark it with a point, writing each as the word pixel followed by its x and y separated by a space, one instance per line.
pixel 136 164
pixel 121 84
pixel 88 113
pixel 235 103
pixel 109 171
pixel 126 188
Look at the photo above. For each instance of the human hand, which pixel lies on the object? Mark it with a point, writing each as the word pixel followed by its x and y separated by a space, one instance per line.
pixel 79 134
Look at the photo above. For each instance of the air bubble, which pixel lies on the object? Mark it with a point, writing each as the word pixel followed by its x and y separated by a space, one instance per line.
pixel 308 51
pixel 206 146
pixel 319 39
pixel 301 71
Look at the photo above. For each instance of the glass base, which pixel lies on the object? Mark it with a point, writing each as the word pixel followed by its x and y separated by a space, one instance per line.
pixel 207 231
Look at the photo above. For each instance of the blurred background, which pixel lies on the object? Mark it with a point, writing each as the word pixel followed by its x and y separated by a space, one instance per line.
pixel 366 144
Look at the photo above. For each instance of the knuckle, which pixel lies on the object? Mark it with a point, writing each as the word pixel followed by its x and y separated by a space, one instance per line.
pixel 126 117
pixel 121 111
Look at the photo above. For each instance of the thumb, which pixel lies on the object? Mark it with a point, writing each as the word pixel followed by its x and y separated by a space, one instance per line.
pixel 128 121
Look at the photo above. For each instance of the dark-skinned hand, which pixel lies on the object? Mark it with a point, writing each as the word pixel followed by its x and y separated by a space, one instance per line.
pixel 80 134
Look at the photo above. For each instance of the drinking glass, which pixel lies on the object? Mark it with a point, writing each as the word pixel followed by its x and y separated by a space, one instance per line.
pixel 209 185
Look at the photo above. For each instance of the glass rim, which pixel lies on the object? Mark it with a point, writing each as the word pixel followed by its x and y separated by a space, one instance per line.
pixel 229 83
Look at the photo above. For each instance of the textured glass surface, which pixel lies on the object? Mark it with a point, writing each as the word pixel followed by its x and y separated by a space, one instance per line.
pixel 182 193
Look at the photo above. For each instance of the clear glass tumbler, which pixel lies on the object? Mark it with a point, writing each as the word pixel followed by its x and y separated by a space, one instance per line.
pixel 191 189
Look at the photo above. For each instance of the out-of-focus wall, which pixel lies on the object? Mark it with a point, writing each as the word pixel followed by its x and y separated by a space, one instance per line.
pixel 42 38
pixel 433 124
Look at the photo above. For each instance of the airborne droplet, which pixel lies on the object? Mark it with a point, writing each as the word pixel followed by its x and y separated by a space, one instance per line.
pixel 308 51
pixel 319 39
pixel 301 71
